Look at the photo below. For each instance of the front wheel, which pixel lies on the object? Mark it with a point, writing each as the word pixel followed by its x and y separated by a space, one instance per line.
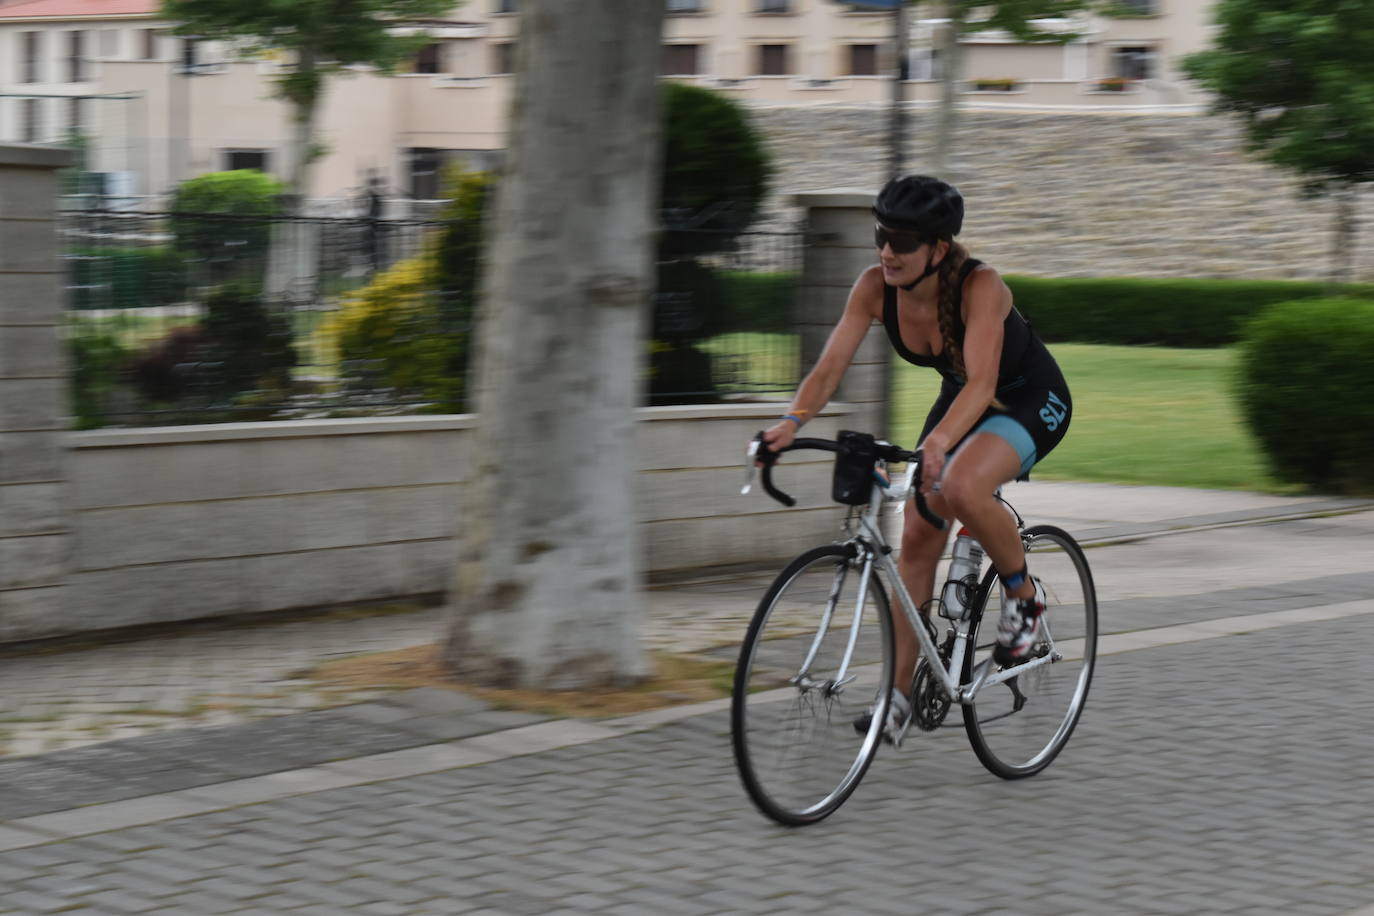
pixel 1017 727
pixel 812 685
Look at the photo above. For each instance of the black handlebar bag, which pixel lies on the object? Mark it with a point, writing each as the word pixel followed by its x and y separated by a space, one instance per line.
pixel 852 483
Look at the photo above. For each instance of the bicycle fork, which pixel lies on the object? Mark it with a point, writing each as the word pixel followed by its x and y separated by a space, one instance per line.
pixel 803 678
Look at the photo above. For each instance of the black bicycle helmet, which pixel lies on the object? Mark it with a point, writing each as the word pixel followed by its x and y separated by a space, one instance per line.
pixel 921 204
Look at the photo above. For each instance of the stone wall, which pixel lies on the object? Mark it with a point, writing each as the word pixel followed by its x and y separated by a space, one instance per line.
pixel 33 521
pixel 1083 194
pixel 179 523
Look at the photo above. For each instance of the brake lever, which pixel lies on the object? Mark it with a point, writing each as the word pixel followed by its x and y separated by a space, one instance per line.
pixel 749 469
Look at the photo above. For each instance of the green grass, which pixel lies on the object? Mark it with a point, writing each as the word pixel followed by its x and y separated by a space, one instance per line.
pixel 1141 415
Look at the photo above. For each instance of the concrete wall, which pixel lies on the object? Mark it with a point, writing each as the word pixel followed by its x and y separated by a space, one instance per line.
pixel 186 522
pixel 33 521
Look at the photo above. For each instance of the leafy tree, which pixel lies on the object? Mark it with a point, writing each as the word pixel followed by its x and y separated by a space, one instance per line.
pixel 1301 75
pixel 322 37
pixel 547 589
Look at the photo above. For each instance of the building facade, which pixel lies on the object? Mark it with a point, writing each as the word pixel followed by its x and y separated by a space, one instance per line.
pixel 151 108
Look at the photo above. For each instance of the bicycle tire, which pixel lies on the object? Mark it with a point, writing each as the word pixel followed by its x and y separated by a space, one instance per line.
pixel 1018 727
pixel 796 747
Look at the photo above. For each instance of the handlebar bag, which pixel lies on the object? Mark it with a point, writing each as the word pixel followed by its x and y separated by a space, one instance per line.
pixel 853 479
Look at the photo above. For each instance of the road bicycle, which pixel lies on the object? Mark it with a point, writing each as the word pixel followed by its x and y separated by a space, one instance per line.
pixel 811 689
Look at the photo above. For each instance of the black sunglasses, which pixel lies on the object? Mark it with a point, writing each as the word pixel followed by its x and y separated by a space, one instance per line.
pixel 901 242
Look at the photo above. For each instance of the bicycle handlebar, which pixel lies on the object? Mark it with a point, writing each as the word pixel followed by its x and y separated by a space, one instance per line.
pixel 768 457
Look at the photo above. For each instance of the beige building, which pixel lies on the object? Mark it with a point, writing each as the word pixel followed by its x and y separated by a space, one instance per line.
pixel 156 109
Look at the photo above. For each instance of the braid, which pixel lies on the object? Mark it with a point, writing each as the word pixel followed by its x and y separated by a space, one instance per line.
pixel 949 292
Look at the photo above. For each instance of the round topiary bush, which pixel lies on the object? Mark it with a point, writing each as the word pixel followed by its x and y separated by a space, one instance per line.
pixel 715 166
pixel 1306 384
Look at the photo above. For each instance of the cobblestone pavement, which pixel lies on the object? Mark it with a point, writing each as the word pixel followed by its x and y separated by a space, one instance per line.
pixel 1223 766
pixel 1217 777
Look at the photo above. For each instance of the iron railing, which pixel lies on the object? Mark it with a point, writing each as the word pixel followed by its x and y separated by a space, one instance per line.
pixel 186 318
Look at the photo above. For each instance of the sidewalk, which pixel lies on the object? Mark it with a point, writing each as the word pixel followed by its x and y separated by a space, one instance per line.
pixel 1201 781
pixel 200 677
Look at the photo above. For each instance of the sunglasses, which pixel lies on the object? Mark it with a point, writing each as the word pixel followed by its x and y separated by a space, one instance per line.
pixel 901 242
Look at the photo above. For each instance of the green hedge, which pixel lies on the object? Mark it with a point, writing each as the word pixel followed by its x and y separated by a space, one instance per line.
pixel 1306 384
pixel 759 301
pixel 1172 313
pixel 125 277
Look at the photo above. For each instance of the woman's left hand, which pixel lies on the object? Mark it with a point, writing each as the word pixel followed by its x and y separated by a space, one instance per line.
pixel 933 453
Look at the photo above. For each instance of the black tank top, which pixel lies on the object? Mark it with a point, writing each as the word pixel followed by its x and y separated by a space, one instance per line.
pixel 1024 357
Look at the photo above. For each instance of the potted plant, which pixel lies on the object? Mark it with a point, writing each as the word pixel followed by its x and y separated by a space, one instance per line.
pixel 996 84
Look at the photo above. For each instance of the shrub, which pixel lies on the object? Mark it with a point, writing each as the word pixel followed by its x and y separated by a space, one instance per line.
pixel 715 167
pixel 97 363
pixel 125 277
pixel 758 301
pixel 246 199
pixel 252 345
pixel 1173 313
pixel 415 318
pixel 1306 384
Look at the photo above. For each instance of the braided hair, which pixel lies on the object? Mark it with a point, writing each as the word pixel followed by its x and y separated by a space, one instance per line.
pixel 949 298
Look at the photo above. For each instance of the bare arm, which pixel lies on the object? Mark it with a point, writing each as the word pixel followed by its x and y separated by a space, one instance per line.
pixel 860 311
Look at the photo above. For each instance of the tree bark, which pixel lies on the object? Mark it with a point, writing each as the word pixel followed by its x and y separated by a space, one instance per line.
pixel 547 588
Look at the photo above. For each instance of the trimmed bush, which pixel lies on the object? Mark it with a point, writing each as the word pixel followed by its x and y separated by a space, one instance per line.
pixel 758 301
pixel 1306 385
pixel 125 277
pixel 1171 313
pixel 224 220
pixel 715 169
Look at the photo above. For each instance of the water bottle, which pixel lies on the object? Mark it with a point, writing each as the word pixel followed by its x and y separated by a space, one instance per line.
pixel 964 565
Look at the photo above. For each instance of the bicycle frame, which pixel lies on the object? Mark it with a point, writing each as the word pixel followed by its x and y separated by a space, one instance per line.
pixel 872 545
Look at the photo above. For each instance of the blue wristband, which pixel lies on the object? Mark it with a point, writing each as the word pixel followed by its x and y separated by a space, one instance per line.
pixel 795 419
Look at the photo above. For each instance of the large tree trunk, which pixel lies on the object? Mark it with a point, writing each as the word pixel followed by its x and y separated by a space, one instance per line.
pixel 951 72
pixel 547 591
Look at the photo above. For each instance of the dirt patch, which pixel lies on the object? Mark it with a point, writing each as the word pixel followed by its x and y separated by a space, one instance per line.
pixel 677 679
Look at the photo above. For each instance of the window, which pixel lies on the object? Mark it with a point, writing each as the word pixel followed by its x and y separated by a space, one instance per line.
pixel 430 59
pixel 773 6
pixel 506 6
pixel 30 64
pixel 425 165
pixel 246 159
pixel 148 39
pixel 863 60
pixel 32 115
pixel 76 57
pixel 772 60
pixel 680 60
pixel 503 57
pixel 1135 63
pixel 1138 7
pixel 684 6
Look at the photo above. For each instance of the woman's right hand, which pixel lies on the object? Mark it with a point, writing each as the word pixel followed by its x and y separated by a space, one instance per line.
pixel 778 436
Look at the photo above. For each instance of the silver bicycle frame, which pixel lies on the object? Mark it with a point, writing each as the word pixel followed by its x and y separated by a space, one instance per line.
pixel 877 546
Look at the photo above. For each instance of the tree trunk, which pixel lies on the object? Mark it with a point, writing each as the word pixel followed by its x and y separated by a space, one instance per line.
pixel 951 72
pixel 547 590
pixel 302 90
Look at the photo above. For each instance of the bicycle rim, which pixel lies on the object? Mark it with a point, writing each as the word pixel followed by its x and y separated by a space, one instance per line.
pixel 797 748
pixel 1018 727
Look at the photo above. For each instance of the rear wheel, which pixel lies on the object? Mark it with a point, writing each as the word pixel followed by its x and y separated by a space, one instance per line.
pixel 1017 727
pixel 797 715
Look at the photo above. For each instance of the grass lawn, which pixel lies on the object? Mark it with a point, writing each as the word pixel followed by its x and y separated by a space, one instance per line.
pixel 1141 415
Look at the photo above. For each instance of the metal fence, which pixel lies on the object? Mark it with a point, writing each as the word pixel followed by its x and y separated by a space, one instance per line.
pixel 183 318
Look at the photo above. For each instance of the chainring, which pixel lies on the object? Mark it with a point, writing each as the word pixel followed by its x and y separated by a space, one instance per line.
pixel 929 705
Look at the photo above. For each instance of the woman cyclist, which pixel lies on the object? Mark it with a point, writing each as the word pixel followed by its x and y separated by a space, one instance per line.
pixel 1002 407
